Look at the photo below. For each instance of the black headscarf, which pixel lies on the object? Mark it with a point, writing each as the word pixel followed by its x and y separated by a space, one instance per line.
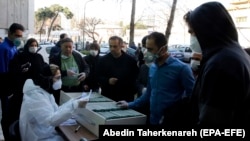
pixel 44 79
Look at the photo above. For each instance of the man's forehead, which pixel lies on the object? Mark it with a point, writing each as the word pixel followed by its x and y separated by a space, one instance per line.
pixel 18 33
pixel 115 42
pixel 150 41
pixel 67 44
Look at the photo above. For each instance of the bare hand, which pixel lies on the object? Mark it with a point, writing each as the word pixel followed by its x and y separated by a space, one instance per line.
pixel 81 76
pixel 112 81
pixel 25 69
pixel 82 103
pixel 86 87
pixel 71 73
pixel 123 104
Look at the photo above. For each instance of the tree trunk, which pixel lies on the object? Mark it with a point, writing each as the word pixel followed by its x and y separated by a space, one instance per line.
pixel 170 21
pixel 51 25
pixel 41 29
pixel 132 23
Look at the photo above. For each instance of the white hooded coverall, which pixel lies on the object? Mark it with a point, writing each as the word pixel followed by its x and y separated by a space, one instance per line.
pixel 40 114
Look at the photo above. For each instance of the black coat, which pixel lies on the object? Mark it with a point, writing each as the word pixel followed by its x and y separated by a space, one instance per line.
pixel 92 79
pixel 221 96
pixel 125 69
pixel 18 77
pixel 81 63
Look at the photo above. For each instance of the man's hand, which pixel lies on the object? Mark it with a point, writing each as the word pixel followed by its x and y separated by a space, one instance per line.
pixel 86 87
pixel 112 81
pixel 71 73
pixel 123 104
pixel 82 103
pixel 25 69
pixel 81 76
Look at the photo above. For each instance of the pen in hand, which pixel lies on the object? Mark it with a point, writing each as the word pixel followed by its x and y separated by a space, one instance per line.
pixel 78 127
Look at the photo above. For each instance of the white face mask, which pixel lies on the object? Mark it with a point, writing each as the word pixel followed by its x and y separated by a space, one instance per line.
pixel 57 85
pixel 93 52
pixel 195 65
pixel 32 49
pixel 155 56
pixel 194 44
pixel 149 64
pixel 124 49
pixel 64 56
pixel 148 57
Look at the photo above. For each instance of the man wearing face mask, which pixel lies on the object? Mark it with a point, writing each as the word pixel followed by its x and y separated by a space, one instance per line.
pixel 8 48
pixel 142 79
pixel 57 48
pixel 170 82
pixel 221 95
pixel 91 82
pixel 25 64
pixel 196 55
pixel 73 67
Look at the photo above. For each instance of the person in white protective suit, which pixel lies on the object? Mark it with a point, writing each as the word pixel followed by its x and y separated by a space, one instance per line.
pixel 39 112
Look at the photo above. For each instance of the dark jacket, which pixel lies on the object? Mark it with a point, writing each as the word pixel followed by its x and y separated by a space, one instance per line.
pixel 18 78
pixel 221 96
pixel 81 63
pixel 55 50
pixel 125 69
pixel 37 64
pixel 92 79
pixel 142 79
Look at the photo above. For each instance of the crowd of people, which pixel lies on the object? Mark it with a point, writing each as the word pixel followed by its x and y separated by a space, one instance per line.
pixel 212 91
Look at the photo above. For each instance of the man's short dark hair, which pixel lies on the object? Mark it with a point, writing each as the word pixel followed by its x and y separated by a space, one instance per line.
pixel 143 41
pixel 186 18
pixel 159 38
pixel 94 46
pixel 62 36
pixel 15 26
pixel 65 40
pixel 116 38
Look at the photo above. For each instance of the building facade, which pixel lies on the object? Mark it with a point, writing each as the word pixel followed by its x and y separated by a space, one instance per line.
pixel 239 10
pixel 19 11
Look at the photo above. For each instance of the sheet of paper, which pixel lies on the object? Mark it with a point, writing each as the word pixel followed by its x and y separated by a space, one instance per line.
pixel 85 95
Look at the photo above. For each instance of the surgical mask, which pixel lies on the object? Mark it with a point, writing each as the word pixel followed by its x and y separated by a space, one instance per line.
pixel 17 42
pixel 149 57
pixel 195 65
pixel 124 49
pixel 32 49
pixel 57 85
pixel 93 52
pixel 149 64
pixel 155 56
pixel 194 44
pixel 64 56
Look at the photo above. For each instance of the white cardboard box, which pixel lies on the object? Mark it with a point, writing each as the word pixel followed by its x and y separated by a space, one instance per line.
pixel 94 97
pixel 105 112
pixel 92 117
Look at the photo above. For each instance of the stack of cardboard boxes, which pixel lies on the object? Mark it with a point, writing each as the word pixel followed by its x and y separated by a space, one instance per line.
pixel 101 110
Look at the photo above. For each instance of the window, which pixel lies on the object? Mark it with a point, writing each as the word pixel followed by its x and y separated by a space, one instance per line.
pixel 241 19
